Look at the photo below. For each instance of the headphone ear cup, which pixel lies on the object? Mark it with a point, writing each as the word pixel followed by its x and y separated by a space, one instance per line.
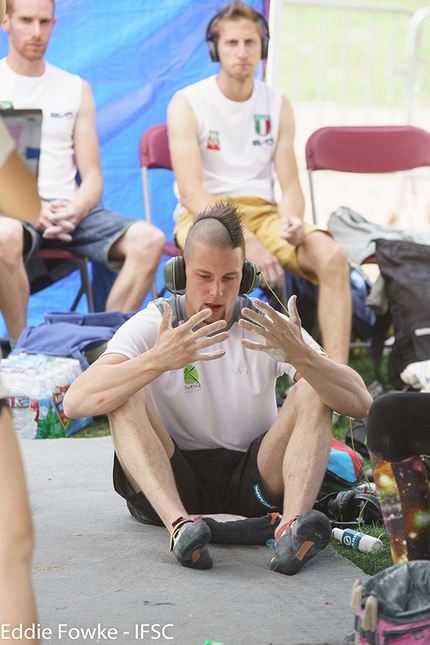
pixel 264 48
pixel 342 506
pixel 250 277
pixel 368 508
pixel 174 274
pixel 212 49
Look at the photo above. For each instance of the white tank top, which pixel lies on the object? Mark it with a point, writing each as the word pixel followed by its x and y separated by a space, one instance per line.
pixel 58 94
pixel 237 139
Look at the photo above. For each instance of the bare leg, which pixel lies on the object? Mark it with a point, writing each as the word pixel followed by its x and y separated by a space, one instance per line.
pixel 14 285
pixel 144 449
pixel 142 246
pixel 321 255
pixel 17 606
pixel 292 461
pixel 293 455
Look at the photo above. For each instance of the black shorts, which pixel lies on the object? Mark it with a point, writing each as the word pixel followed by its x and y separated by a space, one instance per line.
pixel 208 482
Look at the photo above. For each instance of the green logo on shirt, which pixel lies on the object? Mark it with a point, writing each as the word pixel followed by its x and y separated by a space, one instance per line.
pixel 191 375
pixel 191 379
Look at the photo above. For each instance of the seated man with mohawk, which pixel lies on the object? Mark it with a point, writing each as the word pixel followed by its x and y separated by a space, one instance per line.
pixel 218 444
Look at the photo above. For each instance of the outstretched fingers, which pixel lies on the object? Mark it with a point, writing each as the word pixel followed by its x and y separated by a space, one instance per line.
pixel 176 347
pixel 278 333
pixel 293 311
pixel 207 335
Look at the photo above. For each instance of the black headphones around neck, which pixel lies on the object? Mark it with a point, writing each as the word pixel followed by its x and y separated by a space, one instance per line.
pixel 212 45
pixel 175 280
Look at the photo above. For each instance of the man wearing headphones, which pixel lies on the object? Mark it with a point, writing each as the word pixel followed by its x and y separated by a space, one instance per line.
pixel 227 135
pixel 198 431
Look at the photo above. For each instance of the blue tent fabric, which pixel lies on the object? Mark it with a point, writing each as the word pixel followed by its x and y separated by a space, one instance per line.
pixel 135 55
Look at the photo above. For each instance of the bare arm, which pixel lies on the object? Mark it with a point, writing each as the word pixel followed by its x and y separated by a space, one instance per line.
pixel 338 386
pixel 185 155
pixel 292 205
pixel 17 606
pixel 112 379
pixel 87 153
pixel 18 190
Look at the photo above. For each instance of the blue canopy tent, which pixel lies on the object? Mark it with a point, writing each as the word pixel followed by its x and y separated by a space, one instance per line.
pixel 135 55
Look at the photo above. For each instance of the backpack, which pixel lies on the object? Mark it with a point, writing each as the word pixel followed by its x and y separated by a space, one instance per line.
pixel 393 607
pixel 405 267
pixel 344 468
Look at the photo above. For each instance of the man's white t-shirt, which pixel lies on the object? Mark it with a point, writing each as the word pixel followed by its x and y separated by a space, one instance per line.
pixel 223 403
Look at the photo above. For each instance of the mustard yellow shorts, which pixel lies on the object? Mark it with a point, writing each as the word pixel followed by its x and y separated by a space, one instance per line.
pixel 262 219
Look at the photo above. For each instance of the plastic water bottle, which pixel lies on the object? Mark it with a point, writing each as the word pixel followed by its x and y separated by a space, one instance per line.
pixel 23 405
pixel 357 540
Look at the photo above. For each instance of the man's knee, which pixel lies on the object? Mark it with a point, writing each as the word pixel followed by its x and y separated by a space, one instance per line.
pixel 11 241
pixel 130 412
pixel 144 240
pixel 305 400
pixel 329 258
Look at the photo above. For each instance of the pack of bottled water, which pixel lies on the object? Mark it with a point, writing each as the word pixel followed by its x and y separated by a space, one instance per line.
pixel 36 385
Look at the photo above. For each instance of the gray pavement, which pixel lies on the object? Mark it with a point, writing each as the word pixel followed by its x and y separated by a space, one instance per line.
pixel 101 577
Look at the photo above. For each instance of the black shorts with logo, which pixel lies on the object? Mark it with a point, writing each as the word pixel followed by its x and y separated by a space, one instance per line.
pixel 208 481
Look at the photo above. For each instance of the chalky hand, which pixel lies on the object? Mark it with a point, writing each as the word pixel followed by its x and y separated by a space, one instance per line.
pixel 282 338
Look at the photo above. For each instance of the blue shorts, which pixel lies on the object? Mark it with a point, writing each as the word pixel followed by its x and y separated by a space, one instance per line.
pixel 92 238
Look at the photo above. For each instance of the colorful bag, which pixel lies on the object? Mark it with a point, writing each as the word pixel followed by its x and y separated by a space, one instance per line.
pixel 393 607
pixel 344 468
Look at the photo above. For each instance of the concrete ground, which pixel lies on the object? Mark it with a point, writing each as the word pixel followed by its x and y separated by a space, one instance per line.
pixel 102 577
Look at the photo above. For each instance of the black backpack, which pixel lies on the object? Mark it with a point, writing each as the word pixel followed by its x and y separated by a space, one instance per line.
pixel 405 267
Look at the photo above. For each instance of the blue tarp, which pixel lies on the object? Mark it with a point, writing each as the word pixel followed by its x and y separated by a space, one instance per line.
pixel 135 55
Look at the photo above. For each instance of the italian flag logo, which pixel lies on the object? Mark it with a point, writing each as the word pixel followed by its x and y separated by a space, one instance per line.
pixel 262 123
pixel 213 140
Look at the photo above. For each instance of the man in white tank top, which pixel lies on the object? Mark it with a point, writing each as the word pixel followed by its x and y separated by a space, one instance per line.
pixel 227 134
pixel 71 216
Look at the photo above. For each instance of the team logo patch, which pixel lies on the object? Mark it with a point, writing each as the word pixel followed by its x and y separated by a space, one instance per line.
pixel 262 124
pixel 213 140
pixel 191 379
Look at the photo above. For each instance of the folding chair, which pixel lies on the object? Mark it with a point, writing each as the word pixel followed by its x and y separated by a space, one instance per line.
pixel 154 153
pixel 366 149
pixel 51 265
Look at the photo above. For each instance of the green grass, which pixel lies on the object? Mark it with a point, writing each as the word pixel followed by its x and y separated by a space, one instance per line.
pixel 98 428
pixel 370 563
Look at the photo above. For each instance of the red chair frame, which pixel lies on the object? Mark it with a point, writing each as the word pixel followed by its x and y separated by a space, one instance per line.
pixel 154 153
pixel 366 149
